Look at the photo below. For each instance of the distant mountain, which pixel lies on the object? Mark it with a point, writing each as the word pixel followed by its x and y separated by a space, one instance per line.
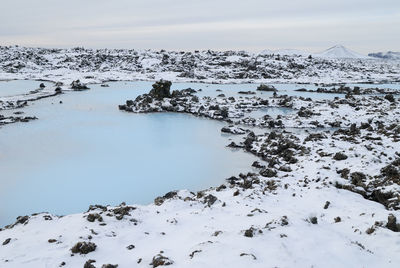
pixel 336 52
pixel 390 55
pixel 340 52
pixel 287 52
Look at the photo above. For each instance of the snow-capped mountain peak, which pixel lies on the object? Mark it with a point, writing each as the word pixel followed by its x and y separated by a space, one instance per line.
pixel 340 52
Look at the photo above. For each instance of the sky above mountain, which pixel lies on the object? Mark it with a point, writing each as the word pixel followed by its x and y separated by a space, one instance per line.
pixel 312 25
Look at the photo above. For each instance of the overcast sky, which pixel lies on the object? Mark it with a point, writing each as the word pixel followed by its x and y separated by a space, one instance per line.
pixel 312 25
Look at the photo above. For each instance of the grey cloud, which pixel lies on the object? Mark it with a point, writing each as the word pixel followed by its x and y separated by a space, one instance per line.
pixel 195 24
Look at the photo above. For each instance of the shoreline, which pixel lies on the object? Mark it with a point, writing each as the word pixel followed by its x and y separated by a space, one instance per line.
pixel 262 217
pixel 322 83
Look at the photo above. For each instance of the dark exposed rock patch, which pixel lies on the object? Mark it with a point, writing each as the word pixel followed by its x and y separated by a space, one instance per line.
pixel 233 130
pixel 315 137
pixel 109 266
pixel 160 200
pixel 340 156
pixel 247 92
pixel 160 260
pixel 356 90
pixel 89 264
pixel 83 247
pixel 78 86
pixel 94 216
pixel 210 200
pixel 269 173
pixel 161 90
pixel 7 241
pixel 249 232
pixel 257 164
pixel 264 87
pixel 314 220
pixel 122 211
pixel 304 112
pixel 392 223
pixel 390 98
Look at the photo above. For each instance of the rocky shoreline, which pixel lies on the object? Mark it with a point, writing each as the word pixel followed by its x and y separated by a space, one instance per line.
pixel 279 150
pixel 326 187
pixel 11 103
pixel 349 91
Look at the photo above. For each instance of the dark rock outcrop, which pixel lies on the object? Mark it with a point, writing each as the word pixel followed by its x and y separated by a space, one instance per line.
pixel 264 87
pixel 83 247
pixel 161 89
pixel 160 260
pixel 77 86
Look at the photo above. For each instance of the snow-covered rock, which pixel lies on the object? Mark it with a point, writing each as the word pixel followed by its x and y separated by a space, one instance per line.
pixel 285 52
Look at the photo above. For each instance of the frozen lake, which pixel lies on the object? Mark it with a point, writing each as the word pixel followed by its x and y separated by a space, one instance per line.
pixel 85 151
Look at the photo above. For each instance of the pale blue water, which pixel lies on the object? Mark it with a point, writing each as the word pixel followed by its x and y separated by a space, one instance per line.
pixel 85 151
pixel 18 87
pixel 271 111
pixel 383 86
pixel 233 89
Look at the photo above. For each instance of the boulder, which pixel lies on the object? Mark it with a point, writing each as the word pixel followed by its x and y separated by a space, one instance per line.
pixel 89 264
pixel 77 85
pixel 109 266
pixel 94 216
pixel 160 260
pixel 392 223
pixel 267 172
pixel 249 232
pixel 390 98
pixel 161 89
pixel 264 87
pixel 6 241
pixel 340 156
pixel 83 247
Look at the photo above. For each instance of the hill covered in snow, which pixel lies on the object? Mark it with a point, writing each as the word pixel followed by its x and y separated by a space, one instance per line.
pixel 390 55
pixel 340 52
pixel 335 52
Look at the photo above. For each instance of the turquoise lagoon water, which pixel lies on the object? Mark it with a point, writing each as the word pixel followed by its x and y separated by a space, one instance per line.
pixel 18 87
pixel 85 151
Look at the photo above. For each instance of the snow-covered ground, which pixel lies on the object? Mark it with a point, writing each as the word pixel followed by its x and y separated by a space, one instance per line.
pixel 192 233
pixel 325 194
pixel 89 65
